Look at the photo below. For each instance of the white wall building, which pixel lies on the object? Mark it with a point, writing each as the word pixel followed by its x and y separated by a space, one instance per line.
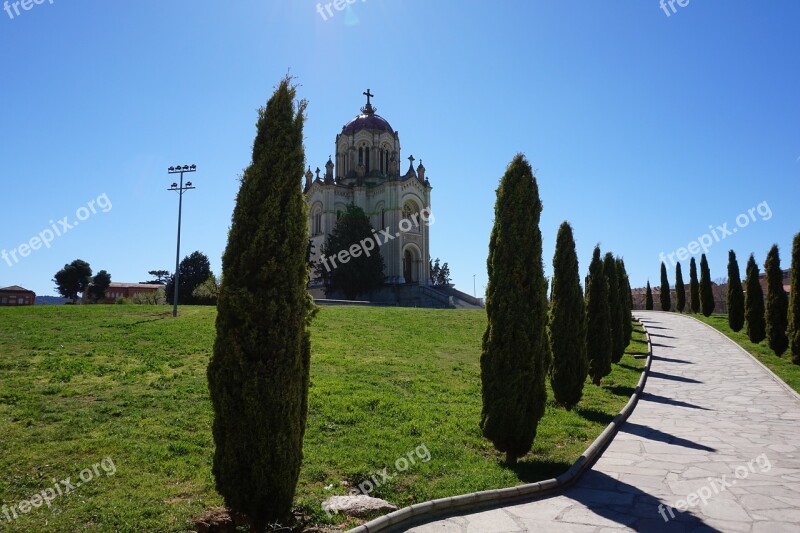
pixel 366 173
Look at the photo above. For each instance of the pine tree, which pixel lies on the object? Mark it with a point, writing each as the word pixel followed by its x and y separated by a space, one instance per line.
pixel 627 302
pixel 694 287
pixel 735 294
pixel 347 263
pixel 777 303
pixel 567 323
pixel 598 316
pixel 754 303
pixel 706 290
pixel 680 289
pixel 666 301
pixel 615 305
pixel 259 372
pixel 794 302
pixel 515 350
pixel 648 298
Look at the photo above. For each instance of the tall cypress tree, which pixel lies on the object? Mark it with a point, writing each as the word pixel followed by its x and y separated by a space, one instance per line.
pixel 615 305
pixel 666 301
pixel 567 323
pixel 598 314
pixel 706 290
pixel 515 346
pixel 777 303
pixel 627 302
pixel 754 303
pixel 258 375
pixel 694 287
pixel 794 302
pixel 680 289
pixel 735 294
pixel 648 298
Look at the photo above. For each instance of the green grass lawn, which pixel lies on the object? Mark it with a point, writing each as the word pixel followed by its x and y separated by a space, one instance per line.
pixel 782 366
pixel 82 383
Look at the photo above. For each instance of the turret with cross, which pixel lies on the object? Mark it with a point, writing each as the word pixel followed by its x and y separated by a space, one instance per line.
pixel 368 109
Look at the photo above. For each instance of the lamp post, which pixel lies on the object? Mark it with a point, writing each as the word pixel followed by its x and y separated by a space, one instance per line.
pixel 180 189
pixel 474 293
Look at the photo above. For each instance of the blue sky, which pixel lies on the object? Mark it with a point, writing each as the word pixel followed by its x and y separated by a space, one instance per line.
pixel 643 128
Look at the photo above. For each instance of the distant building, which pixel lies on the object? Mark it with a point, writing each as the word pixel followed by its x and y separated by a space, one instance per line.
pixel 16 295
pixel 126 290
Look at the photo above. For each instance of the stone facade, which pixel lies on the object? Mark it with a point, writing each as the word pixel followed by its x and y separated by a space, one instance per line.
pixel 367 173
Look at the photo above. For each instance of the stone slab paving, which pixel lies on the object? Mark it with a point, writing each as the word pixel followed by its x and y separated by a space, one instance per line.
pixel 713 430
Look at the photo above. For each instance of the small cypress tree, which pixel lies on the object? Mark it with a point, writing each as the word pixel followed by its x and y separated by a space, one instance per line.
pixel 648 298
pixel 754 303
pixel 598 315
pixel 794 302
pixel 777 303
pixel 735 294
pixel 694 287
pixel 627 302
pixel 615 305
pixel 680 289
pixel 258 376
pixel 515 350
pixel 666 301
pixel 567 323
pixel 706 290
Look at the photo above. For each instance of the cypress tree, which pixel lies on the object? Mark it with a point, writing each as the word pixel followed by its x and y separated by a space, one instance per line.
pixel 258 375
pixel 735 294
pixel 648 298
pixel 777 303
pixel 706 290
pixel 754 303
pixel 627 302
pixel 598 315
pixel 794 302
pixel 567 323
pixel 515 350
pixel 680 289
pixel 615 305
pixel 666 301
pixel 694 287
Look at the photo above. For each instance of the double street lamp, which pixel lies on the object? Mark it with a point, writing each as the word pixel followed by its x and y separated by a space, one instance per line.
pixel 180 189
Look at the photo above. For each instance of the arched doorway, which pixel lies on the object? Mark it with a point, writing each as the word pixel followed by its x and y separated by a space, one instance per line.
pixel 411 264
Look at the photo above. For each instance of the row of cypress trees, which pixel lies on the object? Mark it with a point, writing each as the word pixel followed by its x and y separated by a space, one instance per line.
pixel 776 319
pixel 526 339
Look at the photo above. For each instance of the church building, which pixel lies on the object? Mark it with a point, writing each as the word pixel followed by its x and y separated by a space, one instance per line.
pixel 367 172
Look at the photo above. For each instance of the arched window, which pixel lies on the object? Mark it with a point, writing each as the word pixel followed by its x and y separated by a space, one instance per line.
pixel 381 159
pixel 383 218
pixel 361 156
pixel 317 223
pixel 366 158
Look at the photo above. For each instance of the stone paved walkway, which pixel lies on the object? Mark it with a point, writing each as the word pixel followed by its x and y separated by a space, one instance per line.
pixel 712 425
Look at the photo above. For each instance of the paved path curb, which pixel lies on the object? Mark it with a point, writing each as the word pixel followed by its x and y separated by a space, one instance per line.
pixel 422 512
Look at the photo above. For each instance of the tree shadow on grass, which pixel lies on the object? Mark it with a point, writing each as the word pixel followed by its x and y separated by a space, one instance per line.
pixel 156 318
pixel 594 415
pixel 620 390
pixel 533 470
pixel 631 367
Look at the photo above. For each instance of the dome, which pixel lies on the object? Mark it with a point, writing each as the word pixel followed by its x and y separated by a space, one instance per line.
pixel 367 121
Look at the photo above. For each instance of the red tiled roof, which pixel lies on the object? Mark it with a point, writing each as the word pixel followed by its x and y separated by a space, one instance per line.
pixel 15 288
